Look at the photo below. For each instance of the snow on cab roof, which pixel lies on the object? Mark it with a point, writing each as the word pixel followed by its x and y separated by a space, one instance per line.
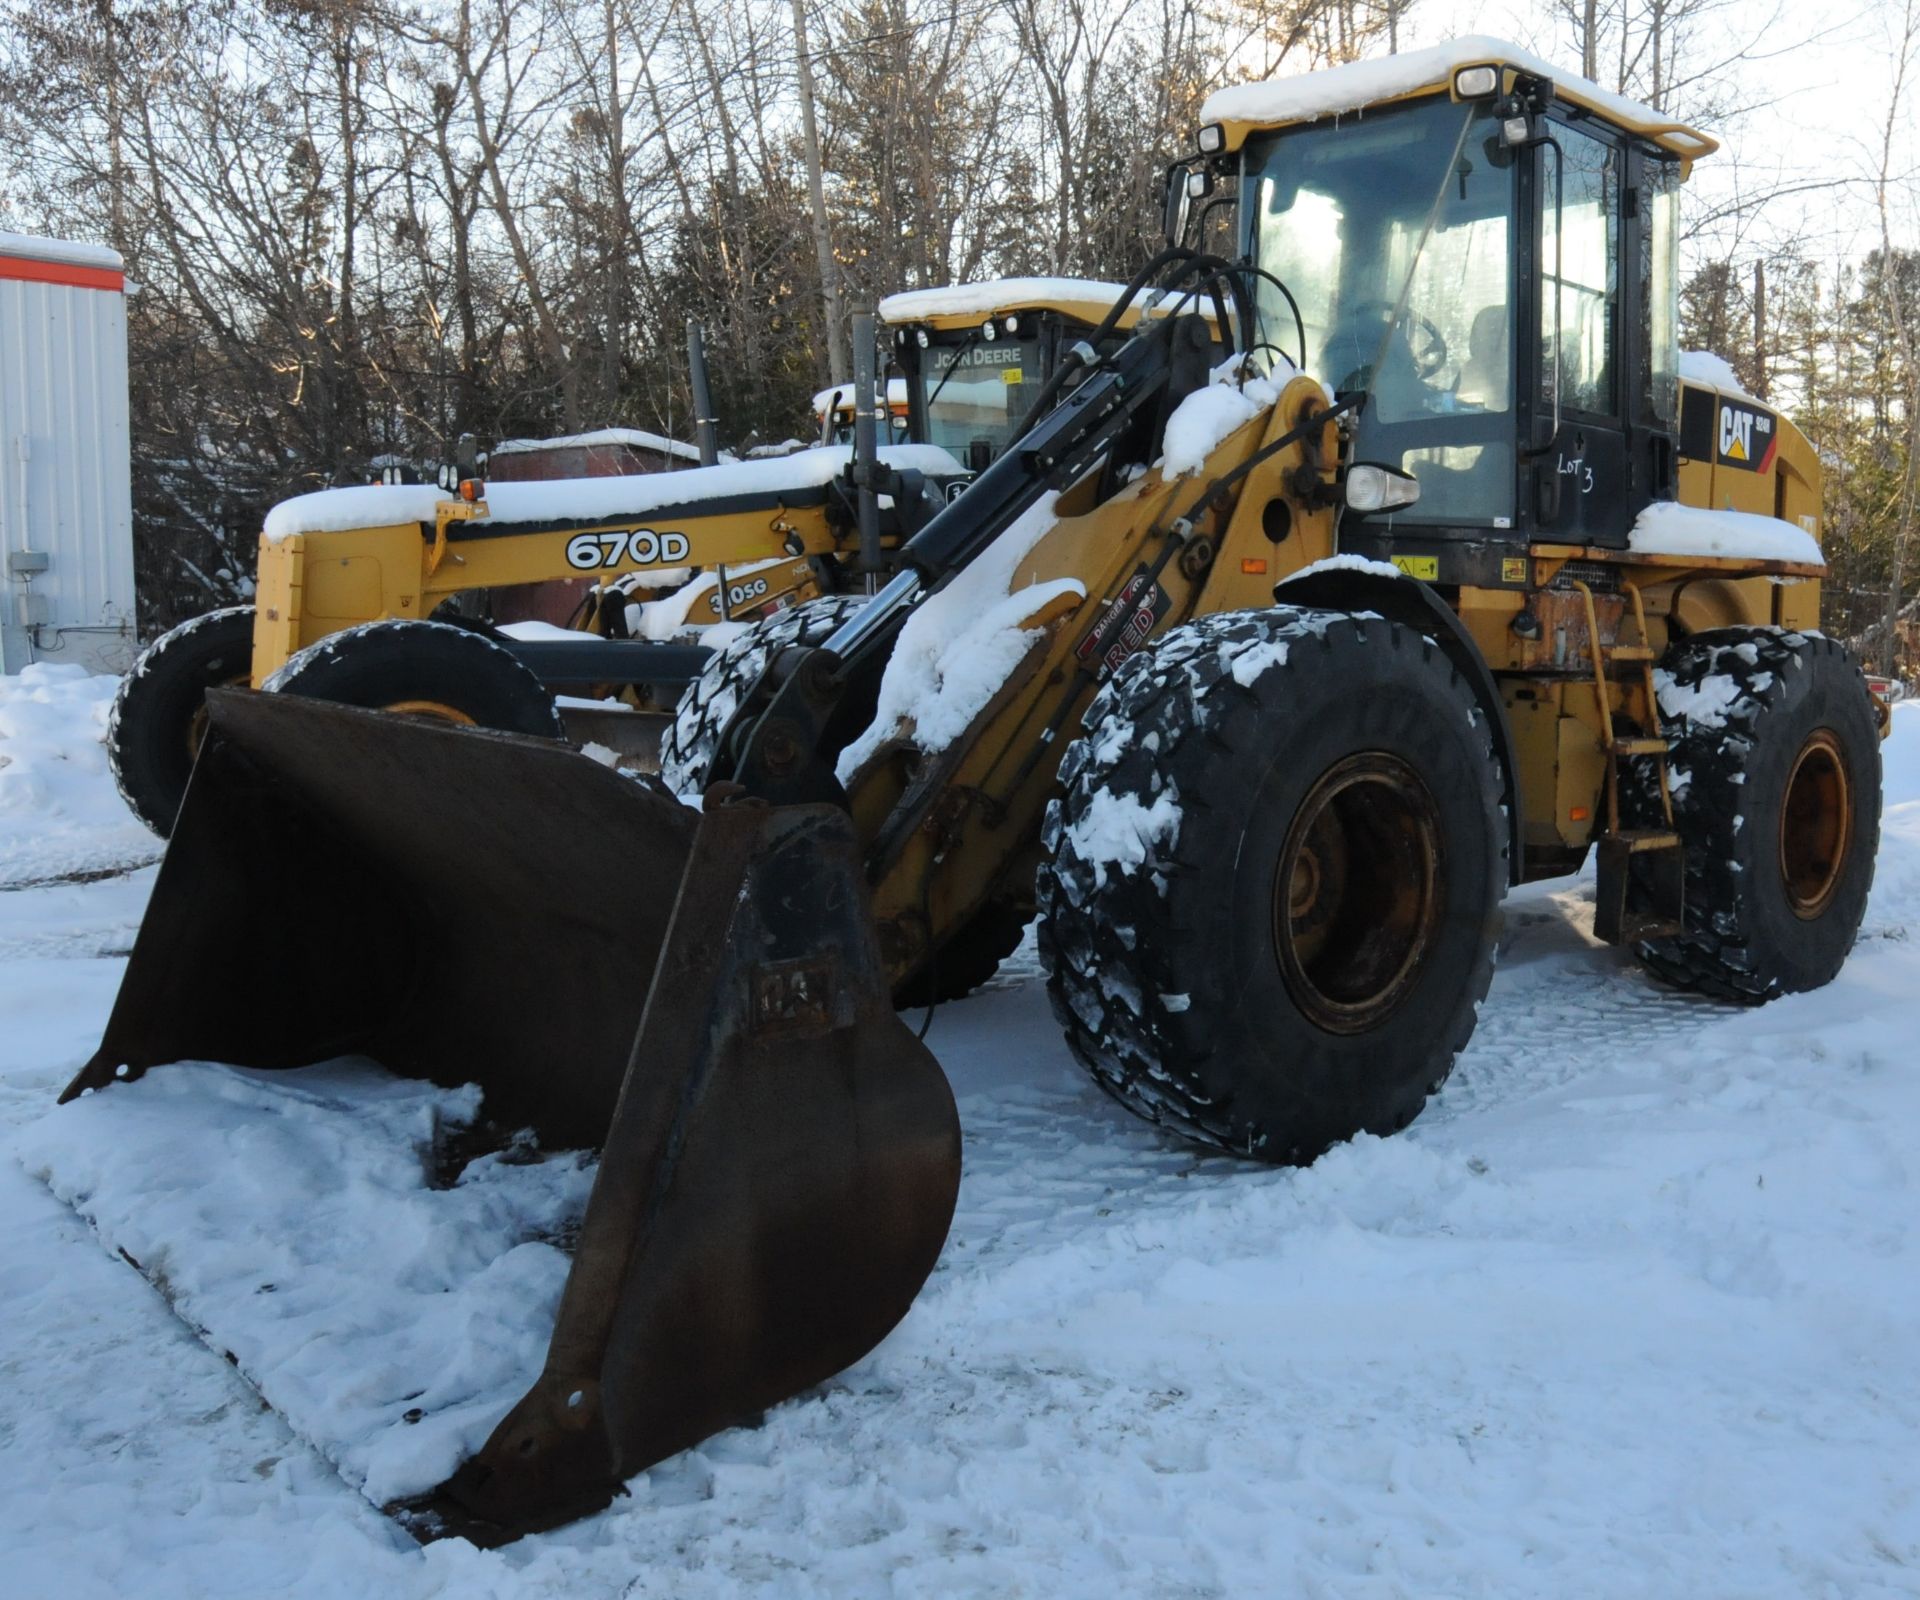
pixel 1002 294
pixel 637 437
pixel 592 499
pixel 841 394
pixel 1360 84
pixel 70 252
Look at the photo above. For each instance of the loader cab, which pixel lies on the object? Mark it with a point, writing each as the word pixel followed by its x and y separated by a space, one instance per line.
pixel 974 357
pixel 833 413
pixel 1493 261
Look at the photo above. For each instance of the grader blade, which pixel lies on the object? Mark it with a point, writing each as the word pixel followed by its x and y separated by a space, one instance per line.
pixel 697 995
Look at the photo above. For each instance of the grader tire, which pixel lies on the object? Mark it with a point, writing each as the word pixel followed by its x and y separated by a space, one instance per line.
pixel 687 747
pixel 1271 887
pixel 159 715
pixel 1776 772
pixel 425 669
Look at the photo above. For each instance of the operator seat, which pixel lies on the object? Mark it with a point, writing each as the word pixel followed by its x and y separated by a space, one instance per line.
pixel 1485 375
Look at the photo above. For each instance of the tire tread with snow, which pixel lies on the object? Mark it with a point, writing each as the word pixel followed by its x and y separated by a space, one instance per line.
pixel 381 664
pixel 1158 889
pixel 1738 706
pixel 687 746
pixel 151 731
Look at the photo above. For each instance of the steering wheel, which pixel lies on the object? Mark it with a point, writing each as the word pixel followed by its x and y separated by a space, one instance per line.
pixel 1428 357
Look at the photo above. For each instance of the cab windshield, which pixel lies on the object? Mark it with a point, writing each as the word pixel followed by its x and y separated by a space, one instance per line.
pixel 976 389
pixel 1394 234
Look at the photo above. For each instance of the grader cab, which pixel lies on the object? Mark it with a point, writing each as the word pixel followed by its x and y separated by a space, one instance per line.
pixel 1258 682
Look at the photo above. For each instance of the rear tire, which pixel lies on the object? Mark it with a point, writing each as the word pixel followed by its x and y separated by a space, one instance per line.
pixel 159 715
pixel 1779 811
pixel 1272 884
pixel 687 748
pixel 426 669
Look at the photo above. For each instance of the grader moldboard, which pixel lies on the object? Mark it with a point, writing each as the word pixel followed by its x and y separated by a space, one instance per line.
pixel 337 570
pixel 1328 773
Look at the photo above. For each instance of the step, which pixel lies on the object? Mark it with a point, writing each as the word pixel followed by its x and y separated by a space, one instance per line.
pixel 1641 747
pixel 1635 840
pixel 1628 652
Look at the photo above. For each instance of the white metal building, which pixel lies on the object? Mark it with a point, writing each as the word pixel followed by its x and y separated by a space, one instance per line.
pixel 66 513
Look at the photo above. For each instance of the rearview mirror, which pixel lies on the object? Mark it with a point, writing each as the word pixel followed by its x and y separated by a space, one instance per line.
pixel 1178 204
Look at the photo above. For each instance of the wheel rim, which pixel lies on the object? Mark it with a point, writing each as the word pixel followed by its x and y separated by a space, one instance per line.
pixel 1816 824
pixel 1357 897
pixel 437 710
pixel 197 723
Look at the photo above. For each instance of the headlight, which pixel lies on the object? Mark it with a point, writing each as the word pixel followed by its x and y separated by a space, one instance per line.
pixel 1475 83
pixel 1212 138
pixel 1372 486
pixel 1012 324
pixel 920 337
pixel 988 331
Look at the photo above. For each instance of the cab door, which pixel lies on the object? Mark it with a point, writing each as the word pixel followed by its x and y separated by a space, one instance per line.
pixel 1581 470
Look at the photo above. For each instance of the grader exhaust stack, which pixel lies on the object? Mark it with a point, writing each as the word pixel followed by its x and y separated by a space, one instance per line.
pixel 697 995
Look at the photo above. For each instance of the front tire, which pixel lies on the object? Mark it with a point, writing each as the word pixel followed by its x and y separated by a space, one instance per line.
pixel 425 669
pixel 1776 773
pixel 160 714
pixel 1272 886
pixel 687 748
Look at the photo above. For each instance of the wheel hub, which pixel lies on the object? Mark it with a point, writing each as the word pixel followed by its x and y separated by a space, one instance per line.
pixel 1816 824
pixel 1357 896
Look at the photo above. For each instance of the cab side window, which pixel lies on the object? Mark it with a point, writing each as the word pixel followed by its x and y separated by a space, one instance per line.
pixel 1580 277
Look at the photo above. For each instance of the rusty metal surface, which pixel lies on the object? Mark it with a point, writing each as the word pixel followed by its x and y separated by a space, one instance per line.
pixel 698 996
pixel 767 1205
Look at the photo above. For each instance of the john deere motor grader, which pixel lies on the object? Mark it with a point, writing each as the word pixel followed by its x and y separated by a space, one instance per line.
pixel 771 533
pixel 1306 675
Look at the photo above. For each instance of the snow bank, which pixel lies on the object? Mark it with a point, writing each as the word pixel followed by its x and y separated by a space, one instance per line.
pixel 60 813
pixel 639 438
pixel 1002 294
pixel 1365 83
pixel 289 1215
pixel 960 645
pixel 594 499
pixel 1667 528
pixel 1703 366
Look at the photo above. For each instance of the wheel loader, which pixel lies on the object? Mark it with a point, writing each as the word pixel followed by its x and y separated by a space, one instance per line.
pixel 1259 681
pixel 764 535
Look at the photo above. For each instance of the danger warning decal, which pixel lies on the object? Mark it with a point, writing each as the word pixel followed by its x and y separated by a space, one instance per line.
pixel 1744 436
pixel 1125 625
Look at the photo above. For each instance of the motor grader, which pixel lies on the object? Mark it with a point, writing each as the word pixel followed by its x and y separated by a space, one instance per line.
pixel 760 535
pixel 1260 683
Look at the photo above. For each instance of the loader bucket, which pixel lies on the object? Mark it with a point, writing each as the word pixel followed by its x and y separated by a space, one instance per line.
pixel 698 995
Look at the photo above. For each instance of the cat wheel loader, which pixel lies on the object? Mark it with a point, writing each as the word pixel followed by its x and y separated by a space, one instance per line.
pixel 765 535
pixel 1260 681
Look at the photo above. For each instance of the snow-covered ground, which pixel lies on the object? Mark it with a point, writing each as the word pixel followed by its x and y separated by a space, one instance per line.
pixel 1631 1310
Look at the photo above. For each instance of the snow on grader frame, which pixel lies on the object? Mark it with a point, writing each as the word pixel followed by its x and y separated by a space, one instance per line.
pixel 769 534
pixel 1271 740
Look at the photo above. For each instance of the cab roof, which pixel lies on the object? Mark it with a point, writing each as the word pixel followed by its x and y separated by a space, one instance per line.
pixel 1249 108
pixel 966 304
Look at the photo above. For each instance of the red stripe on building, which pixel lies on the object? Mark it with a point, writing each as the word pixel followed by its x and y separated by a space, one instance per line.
pixel 26 269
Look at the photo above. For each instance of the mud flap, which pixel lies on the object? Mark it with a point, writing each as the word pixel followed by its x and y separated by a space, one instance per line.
pixel 698 995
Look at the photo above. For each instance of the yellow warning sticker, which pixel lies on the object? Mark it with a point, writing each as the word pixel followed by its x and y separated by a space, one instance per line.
pixel 1010 374
pixel 1427 567
pixel 1513 569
